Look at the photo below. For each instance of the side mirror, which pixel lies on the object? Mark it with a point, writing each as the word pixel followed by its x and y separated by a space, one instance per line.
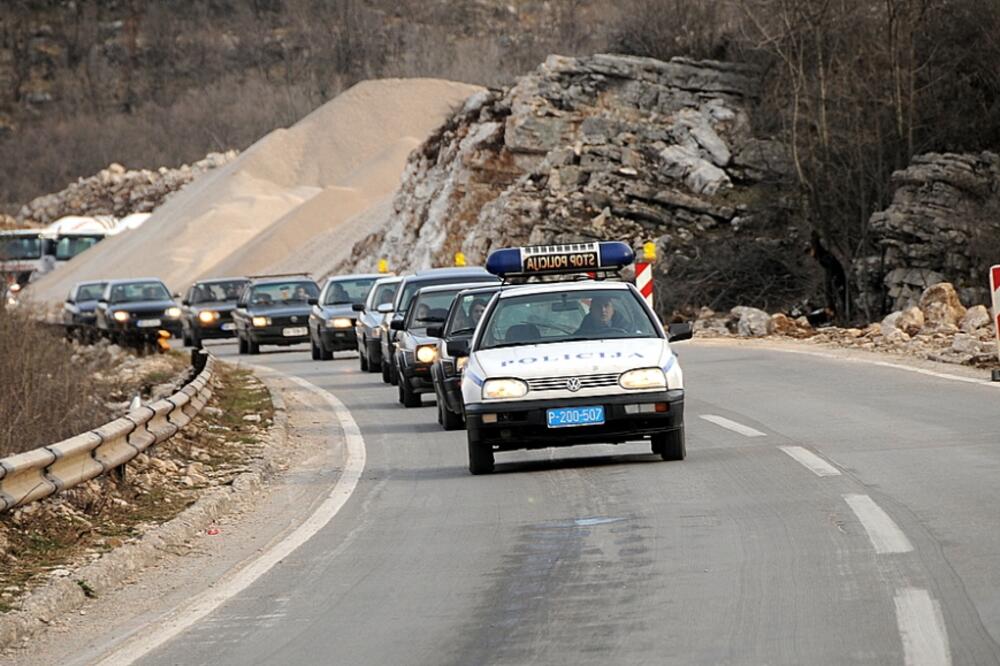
pixel 385 308
pixel 397 325
pixel 458 347
pixel 313 301
pixel 435 331
pixel 70 301
pixel 185 302
pixel 678 332
pixel 102 300
pixel 358 307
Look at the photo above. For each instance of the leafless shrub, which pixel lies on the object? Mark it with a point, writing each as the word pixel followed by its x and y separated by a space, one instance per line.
pixel 47 393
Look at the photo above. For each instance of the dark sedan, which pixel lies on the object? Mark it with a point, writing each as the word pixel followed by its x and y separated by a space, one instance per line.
pixel 207 310
pixel 416 347
pixel 446 373
pixel 332 320
pixel 136 311
pixel 80 309
pixel 274 310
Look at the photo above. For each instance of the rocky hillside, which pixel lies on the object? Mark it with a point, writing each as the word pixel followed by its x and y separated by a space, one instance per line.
pixel 609 147
pixel 943 224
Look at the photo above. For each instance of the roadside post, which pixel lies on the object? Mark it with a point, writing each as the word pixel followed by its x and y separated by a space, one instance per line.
pixel 460 259
pixel 995 290
pixel 383 265
pixel 644 272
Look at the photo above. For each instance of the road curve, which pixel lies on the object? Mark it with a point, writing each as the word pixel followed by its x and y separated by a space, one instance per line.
pixel 828 513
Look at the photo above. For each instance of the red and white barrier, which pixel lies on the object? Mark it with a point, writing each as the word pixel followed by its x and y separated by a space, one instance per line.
pixel 644 280
pixel 995 290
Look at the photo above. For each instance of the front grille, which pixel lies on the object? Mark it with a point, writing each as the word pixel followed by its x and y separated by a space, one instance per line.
pixel 559 383
pixel 148 314
pixel 287 320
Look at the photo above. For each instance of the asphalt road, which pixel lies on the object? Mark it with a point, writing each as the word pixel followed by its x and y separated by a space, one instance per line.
pixel 828 513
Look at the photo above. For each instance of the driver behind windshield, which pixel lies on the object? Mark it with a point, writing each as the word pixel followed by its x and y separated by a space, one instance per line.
pixel 602 317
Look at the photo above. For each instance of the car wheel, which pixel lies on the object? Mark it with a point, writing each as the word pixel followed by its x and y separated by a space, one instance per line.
pixel 670 445
pixel 186 338
pixel 393 374
pixel 481 459
pixel 449 419
pixel 315 349
pixel 363 361
pixel 253 347
pixel 325 354
pixel 409 397
pixel 385 373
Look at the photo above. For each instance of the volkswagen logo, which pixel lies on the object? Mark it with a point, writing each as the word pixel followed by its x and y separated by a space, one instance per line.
pixel 294 319
pixel 573 384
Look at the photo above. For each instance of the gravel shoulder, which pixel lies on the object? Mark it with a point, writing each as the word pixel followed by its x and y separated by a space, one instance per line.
pixel 303 464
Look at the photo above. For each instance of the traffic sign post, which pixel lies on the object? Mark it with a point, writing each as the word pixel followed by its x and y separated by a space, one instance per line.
pixel 644 272
pixel 995 290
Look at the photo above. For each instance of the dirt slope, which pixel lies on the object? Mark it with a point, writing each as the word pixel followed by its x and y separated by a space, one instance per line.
pixel 269 205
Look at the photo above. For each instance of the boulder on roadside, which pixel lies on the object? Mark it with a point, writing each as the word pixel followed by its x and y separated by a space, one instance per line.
pixel 975 318
pixel 941 306
pixel 911 320
pixel 890 322
pixel 750 322
pixel 782 324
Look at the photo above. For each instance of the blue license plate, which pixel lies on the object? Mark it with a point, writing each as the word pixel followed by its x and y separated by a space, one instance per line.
pixel 569 417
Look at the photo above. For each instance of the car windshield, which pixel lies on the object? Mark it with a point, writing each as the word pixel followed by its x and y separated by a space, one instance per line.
pixel 90 292
pixel 430 309
pixel 412 286
pixel 466 312
pixel 20 247
pixel 211 292
pixel 346 292
pixel 384 293
pixel 134 292
pixel 293 291
pixel 586 314
pixel 68 247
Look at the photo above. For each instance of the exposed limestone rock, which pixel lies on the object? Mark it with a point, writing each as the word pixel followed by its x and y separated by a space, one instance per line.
pixel 117 191
pixel 911 320
pixel 599 147
pixel 975 318
pixel 941 306
pixel 750 322
pixel 943 225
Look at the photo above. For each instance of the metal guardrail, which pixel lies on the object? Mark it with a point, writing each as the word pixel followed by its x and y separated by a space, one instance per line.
pixel 47 470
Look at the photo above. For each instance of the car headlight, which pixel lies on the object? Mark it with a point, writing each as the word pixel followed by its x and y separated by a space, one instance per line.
pixel 261 322
pixel 461 362
pixel 643 378
pixel 172 312
pixel 339 322
pixel 207 316
pixel 120 316
pixel 427 353
pixel 495 389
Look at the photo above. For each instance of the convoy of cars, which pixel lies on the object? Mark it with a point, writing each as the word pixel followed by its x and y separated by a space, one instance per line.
pixel 545 347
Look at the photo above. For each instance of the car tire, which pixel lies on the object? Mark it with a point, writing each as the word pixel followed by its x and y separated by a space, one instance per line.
pixel 196 341
pixel 186 338
pixel 253 347
pixel 440 415
pixel 670 445
pixel 325 354
pixel 314 349
pixel 481 459
pixel 408 396
pixel 385 373
pixel 393 374
pixel 362 361
pixel 449 419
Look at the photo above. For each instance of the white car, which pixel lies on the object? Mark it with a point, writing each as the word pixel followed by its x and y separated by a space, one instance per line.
pixel 564 363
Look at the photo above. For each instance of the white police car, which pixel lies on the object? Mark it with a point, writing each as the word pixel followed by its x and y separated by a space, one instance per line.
pixel 570 362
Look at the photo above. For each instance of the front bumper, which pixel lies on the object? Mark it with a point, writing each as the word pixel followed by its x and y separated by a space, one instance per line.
pixel 339 339
pixel 131 331
pixel 272 335
pixel 417 376
pixel 523 425
pixel 213 331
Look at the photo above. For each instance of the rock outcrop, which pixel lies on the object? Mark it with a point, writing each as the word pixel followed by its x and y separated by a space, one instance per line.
pixel 943 225
pixel 117 191
pixel 600 147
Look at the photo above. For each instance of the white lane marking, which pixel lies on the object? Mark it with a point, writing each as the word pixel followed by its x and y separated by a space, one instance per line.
pixel 922 628
pixel 732 425
pixel 202 605
pixel 885 535
pixel 883 364
pixel 810 461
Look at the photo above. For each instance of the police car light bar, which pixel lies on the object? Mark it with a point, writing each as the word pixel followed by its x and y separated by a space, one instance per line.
pixel 560 259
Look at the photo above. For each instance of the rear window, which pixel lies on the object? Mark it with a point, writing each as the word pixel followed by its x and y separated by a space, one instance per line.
pixel 135 292
pixel 293 291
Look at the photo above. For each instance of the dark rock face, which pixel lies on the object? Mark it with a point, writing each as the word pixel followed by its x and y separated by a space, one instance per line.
pixel 943 225
pixel 601 147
